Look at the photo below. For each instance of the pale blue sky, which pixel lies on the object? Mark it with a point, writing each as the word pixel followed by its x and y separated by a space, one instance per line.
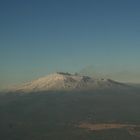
pixel 38 37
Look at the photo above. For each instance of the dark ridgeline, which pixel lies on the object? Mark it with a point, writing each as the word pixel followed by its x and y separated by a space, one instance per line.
pixel 64 73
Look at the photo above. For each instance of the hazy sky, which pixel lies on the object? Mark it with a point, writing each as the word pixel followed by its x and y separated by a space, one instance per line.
pixel 38 37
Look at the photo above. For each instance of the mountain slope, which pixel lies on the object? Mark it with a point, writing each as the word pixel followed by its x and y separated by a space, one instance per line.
pixel 65 81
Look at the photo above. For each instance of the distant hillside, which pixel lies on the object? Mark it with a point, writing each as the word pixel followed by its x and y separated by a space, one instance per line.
pixel 61 81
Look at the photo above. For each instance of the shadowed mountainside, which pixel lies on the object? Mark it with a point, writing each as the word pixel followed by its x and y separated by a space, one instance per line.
pixel 56 115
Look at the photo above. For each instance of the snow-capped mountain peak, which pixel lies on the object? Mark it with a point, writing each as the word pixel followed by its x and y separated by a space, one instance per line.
pixel 65 81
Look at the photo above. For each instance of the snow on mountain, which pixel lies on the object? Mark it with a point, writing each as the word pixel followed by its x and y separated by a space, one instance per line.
pixel 66 82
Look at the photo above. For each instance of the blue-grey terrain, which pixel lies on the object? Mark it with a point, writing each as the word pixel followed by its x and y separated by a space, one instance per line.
pixel 73 111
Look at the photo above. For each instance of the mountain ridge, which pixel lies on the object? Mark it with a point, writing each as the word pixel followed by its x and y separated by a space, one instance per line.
pixel 61 81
